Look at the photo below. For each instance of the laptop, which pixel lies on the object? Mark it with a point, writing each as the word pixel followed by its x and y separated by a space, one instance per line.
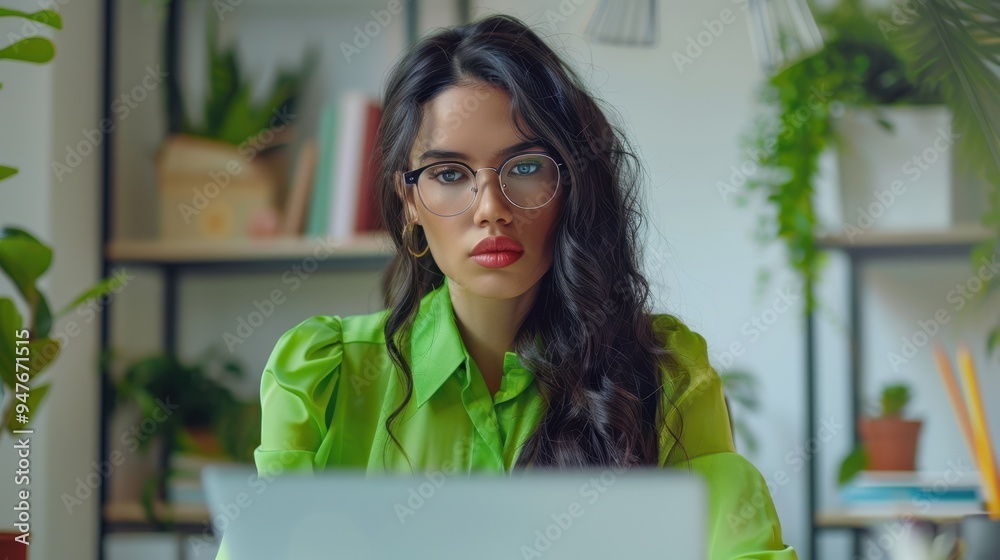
pixel 556 515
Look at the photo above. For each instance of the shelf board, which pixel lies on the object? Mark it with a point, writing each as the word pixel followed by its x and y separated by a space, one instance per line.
pixel 853 519
pixel 370 246
pixel 964 236
pixel 132 513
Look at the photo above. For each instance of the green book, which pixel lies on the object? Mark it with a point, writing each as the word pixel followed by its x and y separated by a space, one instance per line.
pixel 319 205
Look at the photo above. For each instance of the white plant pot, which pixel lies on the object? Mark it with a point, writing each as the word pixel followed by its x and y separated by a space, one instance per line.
pixel 898 180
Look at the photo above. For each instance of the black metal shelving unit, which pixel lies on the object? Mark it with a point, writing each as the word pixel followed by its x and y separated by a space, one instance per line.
pixel 175 268
pixel 881 247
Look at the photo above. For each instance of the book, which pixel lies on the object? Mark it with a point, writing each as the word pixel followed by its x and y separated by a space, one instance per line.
pixel 298 198
pixel 951 488
pixel 319 200
pixel 346 176
pixel 956 477
pixel 906 494
pixel 369 215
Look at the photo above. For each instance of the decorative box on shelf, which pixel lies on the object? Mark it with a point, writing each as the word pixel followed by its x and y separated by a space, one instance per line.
pixel 213 190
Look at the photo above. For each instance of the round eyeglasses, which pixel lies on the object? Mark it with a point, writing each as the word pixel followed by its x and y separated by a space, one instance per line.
pixel 528 180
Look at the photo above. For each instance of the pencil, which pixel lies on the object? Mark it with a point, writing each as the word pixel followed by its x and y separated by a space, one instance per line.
pixel 980 433
pixel 955 396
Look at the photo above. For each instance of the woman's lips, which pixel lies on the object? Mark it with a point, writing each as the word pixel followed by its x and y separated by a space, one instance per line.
pixel 496 243
pixel 496 252
pixel 497 259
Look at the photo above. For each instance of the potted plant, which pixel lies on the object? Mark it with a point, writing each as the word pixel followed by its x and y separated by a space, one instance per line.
pixel 888 440
pixel 940 54
pixel 224 177
pixel 205 421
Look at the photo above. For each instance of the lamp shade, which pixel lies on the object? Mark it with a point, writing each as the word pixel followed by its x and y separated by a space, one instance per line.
pixel 631 23
pixel 782 32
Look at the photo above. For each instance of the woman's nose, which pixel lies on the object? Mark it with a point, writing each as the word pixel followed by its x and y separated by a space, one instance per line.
pixel 491 203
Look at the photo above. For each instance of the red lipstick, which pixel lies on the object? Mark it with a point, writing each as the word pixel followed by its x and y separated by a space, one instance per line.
pixel 497 252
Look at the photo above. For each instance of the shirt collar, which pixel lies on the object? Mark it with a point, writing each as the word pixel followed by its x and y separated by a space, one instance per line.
pixel 437 350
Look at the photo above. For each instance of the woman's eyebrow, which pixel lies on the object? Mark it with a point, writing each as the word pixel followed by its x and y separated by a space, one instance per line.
pixel 448 154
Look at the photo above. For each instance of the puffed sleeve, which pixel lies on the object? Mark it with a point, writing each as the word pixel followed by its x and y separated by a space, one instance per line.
pixel 297 391
pixel 742 521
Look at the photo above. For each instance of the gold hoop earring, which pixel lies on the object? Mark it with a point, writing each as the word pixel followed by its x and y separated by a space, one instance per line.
pixel 407 234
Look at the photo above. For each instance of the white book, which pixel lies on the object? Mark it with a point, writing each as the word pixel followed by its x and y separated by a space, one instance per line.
pixel 346 175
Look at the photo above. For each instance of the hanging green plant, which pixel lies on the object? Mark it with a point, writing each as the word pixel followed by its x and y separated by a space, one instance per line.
pixel 939 57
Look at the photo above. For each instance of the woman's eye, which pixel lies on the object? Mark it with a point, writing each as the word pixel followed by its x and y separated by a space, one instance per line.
pixel 525 168
pixel 448 175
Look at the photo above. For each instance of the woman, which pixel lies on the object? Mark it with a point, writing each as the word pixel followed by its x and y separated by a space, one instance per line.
pixel 517 333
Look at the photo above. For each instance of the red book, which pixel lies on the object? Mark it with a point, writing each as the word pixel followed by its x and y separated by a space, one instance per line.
pixel 369 217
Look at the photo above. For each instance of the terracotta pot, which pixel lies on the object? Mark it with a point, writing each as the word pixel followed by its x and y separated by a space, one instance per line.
pixel 891 442
pixel 11 549
pixel 205 439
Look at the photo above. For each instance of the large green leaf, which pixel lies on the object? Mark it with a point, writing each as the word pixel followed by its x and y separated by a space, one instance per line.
pixel 10 323
pixel 7 172
pixel 33 49
pixel 47 17
pixel 41 351
pixel 24 259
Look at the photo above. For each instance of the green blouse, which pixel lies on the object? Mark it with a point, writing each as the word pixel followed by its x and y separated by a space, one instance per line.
pixel 329 385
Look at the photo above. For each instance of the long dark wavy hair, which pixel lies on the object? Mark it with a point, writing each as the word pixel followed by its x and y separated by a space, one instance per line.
pixel 588 339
